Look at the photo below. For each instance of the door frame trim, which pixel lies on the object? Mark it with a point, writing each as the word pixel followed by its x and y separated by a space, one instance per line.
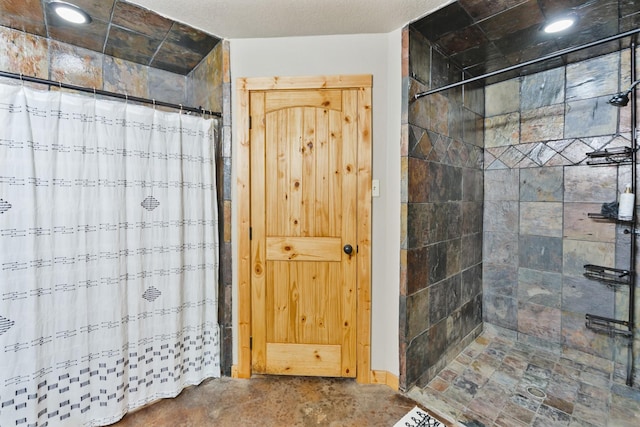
pixel 362 82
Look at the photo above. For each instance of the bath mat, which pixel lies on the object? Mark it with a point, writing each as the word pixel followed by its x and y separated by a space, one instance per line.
pixel 418 418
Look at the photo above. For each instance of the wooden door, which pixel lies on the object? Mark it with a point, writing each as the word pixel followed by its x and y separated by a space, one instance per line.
pixel 307 297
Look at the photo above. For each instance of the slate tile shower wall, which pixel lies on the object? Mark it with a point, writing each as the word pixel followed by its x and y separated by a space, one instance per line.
pixel 207 86
pixel 41 57
pixel 442 202
pixel 538 190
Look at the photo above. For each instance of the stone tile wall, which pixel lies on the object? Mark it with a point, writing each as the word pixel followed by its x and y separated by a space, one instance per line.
pixel 46 58
pixel 207 86
pixel 538 191
pixel 442 202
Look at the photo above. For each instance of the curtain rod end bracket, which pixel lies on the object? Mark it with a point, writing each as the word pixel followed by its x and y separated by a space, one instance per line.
pixel 417 96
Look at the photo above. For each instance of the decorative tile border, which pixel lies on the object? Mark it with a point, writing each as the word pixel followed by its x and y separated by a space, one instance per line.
pixel 561 152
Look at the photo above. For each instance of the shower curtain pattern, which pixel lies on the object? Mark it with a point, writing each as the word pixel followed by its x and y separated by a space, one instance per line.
pixel 108 257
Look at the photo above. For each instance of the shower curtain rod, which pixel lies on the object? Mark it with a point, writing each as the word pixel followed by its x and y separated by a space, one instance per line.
pixel 107 93
pixel 524 64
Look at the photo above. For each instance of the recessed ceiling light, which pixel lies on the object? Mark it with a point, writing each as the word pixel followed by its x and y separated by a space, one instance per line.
pixel 558 25
pixel 70 12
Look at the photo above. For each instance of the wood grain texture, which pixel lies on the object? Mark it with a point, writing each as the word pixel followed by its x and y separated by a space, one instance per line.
pixel 243 155
pixel 334 172
pixel 364 234
pixel 385 377
pixel 295 163
pixel 258 226
pixel 308 149
pixel 307 82
pixel 302 265
pixel 309 195
pixel 349 229
pixel 327 99
pixel 304 359
pixel 304 248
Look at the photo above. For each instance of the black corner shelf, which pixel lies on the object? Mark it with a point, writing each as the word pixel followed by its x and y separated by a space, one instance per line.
pixel 612 277
pixel 600 216
pixel 611 327
pixel 618 155
pixel 608 275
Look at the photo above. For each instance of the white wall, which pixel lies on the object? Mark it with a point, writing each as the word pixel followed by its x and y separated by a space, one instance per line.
pixel 379 55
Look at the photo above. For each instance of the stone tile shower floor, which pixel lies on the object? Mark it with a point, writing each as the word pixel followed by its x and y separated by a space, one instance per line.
pixel 498 382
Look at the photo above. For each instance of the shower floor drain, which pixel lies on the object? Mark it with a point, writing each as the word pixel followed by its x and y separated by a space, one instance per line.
pixel 536 392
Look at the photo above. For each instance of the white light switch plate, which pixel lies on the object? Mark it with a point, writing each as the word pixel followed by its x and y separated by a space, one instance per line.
pixel 375 188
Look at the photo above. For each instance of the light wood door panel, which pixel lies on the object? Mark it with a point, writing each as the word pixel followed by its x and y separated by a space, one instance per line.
pixel 304 249
pixel 304 147
pixel 313 360
pixel 287 304
pixel 326 99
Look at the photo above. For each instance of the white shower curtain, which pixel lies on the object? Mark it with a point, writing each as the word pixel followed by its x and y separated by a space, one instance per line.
pixel 108 257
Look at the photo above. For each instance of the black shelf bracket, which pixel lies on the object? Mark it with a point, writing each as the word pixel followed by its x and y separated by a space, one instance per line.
pixel 605 325
pixel 617 155
pixel 608 275
pixel 600 216
pixel 614 277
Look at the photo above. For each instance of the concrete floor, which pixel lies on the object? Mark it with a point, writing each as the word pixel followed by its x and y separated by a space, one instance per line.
pixel 495 381
pixel 276 401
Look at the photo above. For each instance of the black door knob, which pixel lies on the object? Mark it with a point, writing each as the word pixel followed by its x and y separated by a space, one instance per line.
pixel 348 249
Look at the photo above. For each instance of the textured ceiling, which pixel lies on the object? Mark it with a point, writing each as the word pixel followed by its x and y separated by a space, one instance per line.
pixel 287 18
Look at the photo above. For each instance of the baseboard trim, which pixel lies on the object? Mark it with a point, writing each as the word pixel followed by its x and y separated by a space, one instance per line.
pixel 375 377
pixel 386 378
